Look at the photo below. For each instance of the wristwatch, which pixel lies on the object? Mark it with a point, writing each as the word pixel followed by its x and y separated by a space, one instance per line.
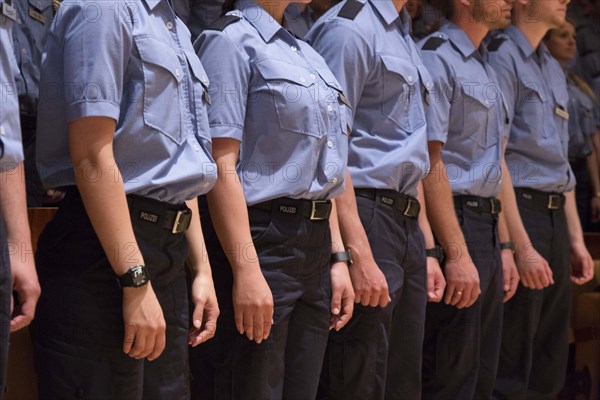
pixel 342 256
pixel 136 277
pixel 436 252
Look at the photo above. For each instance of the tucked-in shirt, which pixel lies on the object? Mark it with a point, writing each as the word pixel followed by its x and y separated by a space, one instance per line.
pixel 582 123
pixel 467 111
pixel 132 62
pixel 275 94
pixel 34 18
pixel 536 94
pixel 11 150
pixel 379 67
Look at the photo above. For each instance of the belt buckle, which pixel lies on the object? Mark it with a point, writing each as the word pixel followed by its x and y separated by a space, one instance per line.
pixel 493 206
pixel 313 211
pixel 409 203
pixel 178 221
pixel 553 202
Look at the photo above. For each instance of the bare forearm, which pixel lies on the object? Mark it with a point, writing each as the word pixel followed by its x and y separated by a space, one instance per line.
pixel 510 210
pixel 423 221
pixel 573 223
pixel 13 206
pixel 197 259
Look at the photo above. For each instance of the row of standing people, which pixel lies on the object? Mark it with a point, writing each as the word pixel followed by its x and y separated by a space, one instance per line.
pixel 269 136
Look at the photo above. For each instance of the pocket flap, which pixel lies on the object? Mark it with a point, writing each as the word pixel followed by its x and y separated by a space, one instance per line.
pixel 405 68
pixel 156 52
pixel 272 69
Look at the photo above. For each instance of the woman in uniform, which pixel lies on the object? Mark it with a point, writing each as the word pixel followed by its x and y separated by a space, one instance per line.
pixel 582 126
pixel 278 121
pixel 123 128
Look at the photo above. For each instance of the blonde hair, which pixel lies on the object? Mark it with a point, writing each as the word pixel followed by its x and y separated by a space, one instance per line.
pixel 581 84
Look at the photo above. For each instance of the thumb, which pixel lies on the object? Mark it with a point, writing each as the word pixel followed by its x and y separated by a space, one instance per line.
pixel 336 302
pixel 430 286
pixel 198 314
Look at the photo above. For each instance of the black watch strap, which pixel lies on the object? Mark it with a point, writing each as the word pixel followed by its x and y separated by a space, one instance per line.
pixel 136 277
pixel 507 246
pixel 342 256
pixel 436 252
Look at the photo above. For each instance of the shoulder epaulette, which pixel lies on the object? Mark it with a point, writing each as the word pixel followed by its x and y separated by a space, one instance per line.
pixel 223 22
pixel 496 43
pixel 351 9
pixel 433 43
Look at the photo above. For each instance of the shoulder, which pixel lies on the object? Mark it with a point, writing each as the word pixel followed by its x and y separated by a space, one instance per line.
pixel 223 22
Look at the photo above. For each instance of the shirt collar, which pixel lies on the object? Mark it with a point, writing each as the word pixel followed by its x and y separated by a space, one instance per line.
pixel 459 38
pixel 522 42
pixel 386 9
pixel 40 4
pixel 266 26
pixel 152 3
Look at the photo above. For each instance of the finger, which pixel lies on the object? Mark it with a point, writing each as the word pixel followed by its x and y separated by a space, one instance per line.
pixel 19 322
pixel 150 342
pixel 473 296
pixel 365 300
pixel 258 326
pixel 375 299
pixel 358 296
pixel 450 288
pixel 129 337
pixel 457 297
pixel 239 320
pixel 198 315
pixel 464 299
pixel 550 274
pixel 336 301
pixel 249 325
pixel 535 281
pixel 139 347
pixel 438 291
pixel 346 314
pixel 431 287
pixel 526 281
pixel 506 278
pixel 158 346
pixel 543 278
pixel 268 322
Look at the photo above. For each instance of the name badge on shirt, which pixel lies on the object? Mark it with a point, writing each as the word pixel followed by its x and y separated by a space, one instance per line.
pixel 561 113
pixel 344 100
pixel 9 11
pixel 38 16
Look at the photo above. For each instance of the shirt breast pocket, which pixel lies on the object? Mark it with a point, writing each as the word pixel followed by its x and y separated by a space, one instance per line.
pixel 479 123
pixel 533 108
pixel 293 91
pixel 162 80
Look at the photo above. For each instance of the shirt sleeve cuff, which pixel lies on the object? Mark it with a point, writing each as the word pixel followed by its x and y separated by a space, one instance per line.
pixel 226 131
pixel 84 109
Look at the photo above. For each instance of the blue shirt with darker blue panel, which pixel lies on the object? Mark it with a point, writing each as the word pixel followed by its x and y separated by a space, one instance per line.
pixel 368 47
pixel 134 63
pixel 467 111
pixel 275 94
pixel 535 89
pixel 11 149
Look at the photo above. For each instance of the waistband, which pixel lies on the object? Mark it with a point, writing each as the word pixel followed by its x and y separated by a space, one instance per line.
pixel 483 205
pixel 541 200
pixel 313 210
pixel 408 205
pixel 175 218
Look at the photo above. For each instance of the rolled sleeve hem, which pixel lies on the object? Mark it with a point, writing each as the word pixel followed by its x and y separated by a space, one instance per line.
pixel 88 108
pixel 227 131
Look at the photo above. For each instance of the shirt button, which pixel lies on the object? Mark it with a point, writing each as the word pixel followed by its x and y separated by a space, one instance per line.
pixel 196 147
pixel 329 144
pixel 410 78
pixel 24 51
pixel 329 108
pixel 169 25
pixel 177 72
pixel 313 76
pixel 486 101
pixel 302 79
pixel 1 130
pixel 294 48
pixel 335 180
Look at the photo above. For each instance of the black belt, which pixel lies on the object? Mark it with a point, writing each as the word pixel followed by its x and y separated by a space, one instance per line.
pixel 541 200
pixel 407 205
pixel 314 210
pixel 173 218
pixel 483 205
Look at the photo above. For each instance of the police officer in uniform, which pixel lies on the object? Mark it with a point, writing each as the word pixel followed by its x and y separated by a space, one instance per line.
pixel 123 127
pixel 34 18
pixel 278 120
pixel 535 332
pixel 466 125
pixel 582 126
pixel 368 47
pixel 15 238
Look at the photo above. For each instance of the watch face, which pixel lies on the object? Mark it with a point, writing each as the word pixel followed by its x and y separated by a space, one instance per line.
pixel 138 276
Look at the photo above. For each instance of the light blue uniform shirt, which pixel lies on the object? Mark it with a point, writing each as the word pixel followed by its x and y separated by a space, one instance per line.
pixel 588 48
pixel 276 95
pixel 582 123
pixel 535 90
pixel 467 111
pixel 134 63
pixel 34 18
pixel 380 68
pixel 297 20
pixel 11 149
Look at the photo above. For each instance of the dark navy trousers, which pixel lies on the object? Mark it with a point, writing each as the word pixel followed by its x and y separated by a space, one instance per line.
pixel 5 294
pixel 461 347
pixel 78 330
pixel 294 254
pixel 377 354
pixel 535 348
